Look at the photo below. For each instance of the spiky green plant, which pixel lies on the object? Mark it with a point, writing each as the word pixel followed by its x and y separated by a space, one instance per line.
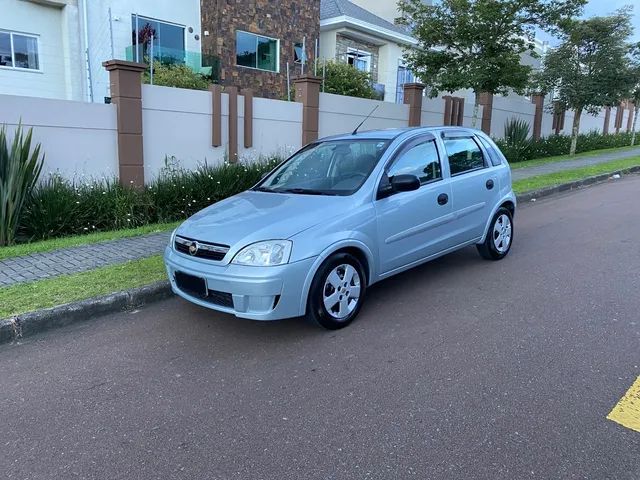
pixel 20 168
pixel 516 137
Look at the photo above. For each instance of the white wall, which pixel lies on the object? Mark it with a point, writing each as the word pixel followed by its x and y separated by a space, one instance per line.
pixel 506 108
pixel 327 45
pixel 339 114
pixel 177 122
pixel 390 56
pixel 185 13
pixel 387 9
pixel 433 112
pixel 56 31
pixel 77 138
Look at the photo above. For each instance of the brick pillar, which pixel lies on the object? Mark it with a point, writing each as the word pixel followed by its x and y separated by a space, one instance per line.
pixel 619 116
pixel 460 118
pixel 607 120
pixel 486 100
pixel 308 93
pixel 448 107
pixel 413 98
pixel 216 115
pixel 538 100
pixel 126 94
pixel 233 124
pixel 248 117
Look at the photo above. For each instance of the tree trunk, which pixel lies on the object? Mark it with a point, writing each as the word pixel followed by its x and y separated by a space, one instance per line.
pixel 575 130
pixel 476 109
pixel 635 124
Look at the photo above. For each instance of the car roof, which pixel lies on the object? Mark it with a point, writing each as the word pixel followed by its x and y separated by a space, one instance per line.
pixel 393 133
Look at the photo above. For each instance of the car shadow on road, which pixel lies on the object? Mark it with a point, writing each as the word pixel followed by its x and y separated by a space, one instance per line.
pixel 400 289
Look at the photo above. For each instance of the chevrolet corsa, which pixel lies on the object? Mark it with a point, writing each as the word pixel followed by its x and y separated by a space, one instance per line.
pixel 339 215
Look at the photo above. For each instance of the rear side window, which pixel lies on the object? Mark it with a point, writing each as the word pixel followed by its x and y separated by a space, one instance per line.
pixel 495 155
pixel 420 160
pixel 464 155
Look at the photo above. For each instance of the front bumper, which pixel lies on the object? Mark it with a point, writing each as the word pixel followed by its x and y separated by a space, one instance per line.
pixel 257 293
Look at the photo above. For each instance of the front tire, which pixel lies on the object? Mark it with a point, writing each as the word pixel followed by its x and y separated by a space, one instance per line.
pixel 337 291
pixel 499 237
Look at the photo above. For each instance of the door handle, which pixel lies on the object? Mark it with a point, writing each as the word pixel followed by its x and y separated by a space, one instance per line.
pixel 443 198
pixel 489 184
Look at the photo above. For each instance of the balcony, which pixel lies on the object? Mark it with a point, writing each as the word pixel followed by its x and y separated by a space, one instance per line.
pixel 208 65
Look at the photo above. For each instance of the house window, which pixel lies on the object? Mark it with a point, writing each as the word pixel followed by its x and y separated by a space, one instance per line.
pixel 359 59
pixel 256 51
pixel 18 50
pixel 168 40
pixel 299 56
pixel 404 76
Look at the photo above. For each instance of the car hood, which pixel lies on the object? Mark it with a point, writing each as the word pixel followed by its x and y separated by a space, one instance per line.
pixel 254 216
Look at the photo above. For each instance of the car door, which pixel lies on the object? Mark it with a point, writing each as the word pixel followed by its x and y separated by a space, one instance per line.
pixel 474 184
pixel 413 225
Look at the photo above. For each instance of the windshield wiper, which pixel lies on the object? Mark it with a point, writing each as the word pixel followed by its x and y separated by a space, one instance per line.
pixel 306 191
pixel 264 189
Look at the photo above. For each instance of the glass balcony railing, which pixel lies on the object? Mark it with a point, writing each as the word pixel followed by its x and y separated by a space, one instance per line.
pixel 204 64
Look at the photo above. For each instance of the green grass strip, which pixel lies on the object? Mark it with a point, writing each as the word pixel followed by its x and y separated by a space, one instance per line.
pixel 27 297
pixel 561 158
pixel 77 240
pixel 572 175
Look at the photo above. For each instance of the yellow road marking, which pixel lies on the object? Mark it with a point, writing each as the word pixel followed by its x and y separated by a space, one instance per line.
pixel 627 410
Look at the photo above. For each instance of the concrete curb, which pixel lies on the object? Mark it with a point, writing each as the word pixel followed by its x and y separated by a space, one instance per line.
pixel 27 324
pixel 565 187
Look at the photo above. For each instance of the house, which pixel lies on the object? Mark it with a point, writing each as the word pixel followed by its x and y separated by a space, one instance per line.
pixel 351 32
pixel 55 48
pixel 261 43
pixel 40 49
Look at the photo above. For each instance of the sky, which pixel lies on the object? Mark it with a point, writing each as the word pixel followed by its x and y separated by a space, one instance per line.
pixel 606 7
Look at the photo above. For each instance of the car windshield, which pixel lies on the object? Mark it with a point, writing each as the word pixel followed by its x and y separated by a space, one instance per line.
pixel 334 167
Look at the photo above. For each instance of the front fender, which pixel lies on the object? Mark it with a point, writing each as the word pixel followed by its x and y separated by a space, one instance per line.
pixel 326 253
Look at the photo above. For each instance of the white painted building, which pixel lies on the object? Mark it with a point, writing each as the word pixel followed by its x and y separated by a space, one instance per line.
pixel 55 48
pixel 351 32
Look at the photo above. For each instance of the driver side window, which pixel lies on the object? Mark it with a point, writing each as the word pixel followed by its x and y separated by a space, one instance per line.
pixel 421 160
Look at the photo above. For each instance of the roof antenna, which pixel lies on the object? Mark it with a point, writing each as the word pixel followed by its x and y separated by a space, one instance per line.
pixel 365 119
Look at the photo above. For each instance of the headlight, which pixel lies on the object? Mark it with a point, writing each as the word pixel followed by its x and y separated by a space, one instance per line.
pixel 264 254
pixel 172 238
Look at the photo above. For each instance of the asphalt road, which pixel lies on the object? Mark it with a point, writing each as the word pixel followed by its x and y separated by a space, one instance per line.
pixel 460 369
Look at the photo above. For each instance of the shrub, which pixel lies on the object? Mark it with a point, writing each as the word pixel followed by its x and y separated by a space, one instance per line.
pixel 20 169
pixel 344 79
pixel 176 75
pixel 516 138
pixel 555 145
pixel 60 207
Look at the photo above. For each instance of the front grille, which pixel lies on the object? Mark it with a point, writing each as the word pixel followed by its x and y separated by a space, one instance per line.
pixel 219 298
pixel 196 248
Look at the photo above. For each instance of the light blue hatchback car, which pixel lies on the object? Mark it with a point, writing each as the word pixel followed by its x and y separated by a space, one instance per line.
pixel 340 215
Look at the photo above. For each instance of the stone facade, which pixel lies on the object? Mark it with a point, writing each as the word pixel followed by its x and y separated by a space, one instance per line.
pixel 285 20
pixel 345 44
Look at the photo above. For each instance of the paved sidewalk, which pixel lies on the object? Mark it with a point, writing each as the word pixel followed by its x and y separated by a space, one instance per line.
pixel 38 266
pixel 577 162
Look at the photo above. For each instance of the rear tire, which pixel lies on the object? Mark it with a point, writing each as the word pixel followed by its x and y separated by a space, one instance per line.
pixel 337 291
pixel 499 237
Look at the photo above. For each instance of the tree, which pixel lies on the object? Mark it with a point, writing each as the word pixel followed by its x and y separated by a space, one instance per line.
pixel 478 44
pixel 344 79
pixel 590 69
pixel 635 90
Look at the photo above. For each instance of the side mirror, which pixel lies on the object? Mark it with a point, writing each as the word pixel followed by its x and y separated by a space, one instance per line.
pixel 405 183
